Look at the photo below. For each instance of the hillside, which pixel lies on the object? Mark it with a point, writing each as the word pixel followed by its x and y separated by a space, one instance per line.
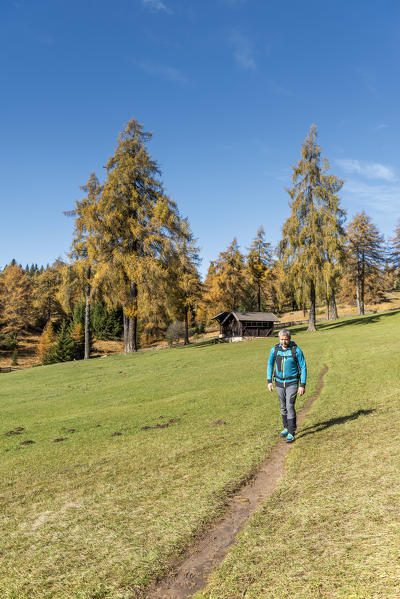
pixel 27 347
pixel 111 467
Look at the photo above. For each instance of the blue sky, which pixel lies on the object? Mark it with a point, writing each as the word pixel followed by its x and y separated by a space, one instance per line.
pixel 229 88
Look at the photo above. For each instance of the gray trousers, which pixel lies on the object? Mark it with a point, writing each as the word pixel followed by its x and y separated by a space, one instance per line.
pixel 287 398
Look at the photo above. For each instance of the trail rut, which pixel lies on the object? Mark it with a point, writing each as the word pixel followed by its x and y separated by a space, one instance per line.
pixel 208 552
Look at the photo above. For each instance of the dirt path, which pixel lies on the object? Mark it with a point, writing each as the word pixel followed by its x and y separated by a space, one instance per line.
pixel 208 552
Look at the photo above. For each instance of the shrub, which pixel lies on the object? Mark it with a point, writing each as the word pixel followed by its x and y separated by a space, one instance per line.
pixel 175 331
pixel 7 343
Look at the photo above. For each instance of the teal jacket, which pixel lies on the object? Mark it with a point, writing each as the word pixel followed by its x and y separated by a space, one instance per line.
pixel 288 370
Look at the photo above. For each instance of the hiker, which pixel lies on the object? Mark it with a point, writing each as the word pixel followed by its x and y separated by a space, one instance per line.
pixel 290 376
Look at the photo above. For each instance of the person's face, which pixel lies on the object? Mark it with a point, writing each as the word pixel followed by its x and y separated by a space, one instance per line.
pixel 285 340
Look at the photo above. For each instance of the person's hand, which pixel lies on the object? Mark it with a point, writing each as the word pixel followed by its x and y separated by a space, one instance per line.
pixel 302 390
pixel 270 387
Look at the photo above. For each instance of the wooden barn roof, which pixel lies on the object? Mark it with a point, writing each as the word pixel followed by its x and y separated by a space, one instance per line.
pixel 260 316
pixel 247 316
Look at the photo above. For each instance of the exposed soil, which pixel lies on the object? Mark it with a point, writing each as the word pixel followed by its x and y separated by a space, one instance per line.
pixel 59 439
pixel 27 442
pixel 18 430
pixel 208 552
pixel 158 425
pixel 218 423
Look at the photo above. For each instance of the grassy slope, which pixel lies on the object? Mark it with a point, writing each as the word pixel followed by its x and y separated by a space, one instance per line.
pixel 98 516
pixel 333 528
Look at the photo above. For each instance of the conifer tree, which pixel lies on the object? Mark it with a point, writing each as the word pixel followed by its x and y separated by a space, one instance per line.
pixel 394 253
pixel 45 290
pixel 15 301
pixel 259 264
pixel 83 251
pixel 333 244
pixel 315 220
pixel 46 344
pixel 225 287
pixel 132 226
pixel 106 323
pixel 76 332
pixel 184 285
pixel 364 254
pixel 64 347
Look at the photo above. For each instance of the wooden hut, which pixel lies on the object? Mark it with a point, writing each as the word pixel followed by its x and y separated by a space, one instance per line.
pixel 236 325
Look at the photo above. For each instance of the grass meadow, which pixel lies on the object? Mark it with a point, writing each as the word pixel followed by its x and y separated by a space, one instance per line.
pixel 332 530
pixel 130 461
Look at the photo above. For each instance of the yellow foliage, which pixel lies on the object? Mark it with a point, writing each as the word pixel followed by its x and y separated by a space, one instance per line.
pixel 46 342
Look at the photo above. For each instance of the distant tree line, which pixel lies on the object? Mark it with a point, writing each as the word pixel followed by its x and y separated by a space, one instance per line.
pixel 133 268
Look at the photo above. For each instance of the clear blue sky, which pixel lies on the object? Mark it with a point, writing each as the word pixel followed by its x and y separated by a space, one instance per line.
pixel 229 88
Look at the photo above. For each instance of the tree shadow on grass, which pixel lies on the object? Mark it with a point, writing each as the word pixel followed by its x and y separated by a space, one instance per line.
pixel 321 426
pixel 334 324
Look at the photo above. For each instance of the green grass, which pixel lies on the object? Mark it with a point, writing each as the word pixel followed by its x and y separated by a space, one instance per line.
pixel 99 516
pixel 332 529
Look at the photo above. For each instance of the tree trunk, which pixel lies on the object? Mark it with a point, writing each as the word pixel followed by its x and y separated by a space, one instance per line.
pixel 327 309
pixel 130 324
pixel 135 328
pixel 125 321
pixel 334 312
pixel 311 314
pixel 362 290
pixel 87 319
pixel 130 327
pixel 259 298
pixel 186 339
pixel 358 293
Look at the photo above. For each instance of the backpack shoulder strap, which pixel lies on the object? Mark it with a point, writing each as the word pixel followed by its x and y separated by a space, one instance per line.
pixel 276 350
pixel 294 355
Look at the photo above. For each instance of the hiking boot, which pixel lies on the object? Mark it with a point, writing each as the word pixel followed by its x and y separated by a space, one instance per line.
pixel 290 438
pixel 284 433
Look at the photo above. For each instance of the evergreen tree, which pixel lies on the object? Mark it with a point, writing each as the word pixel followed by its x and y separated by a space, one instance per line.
pixel 364 255
pixel 315 218
pixel 259 264
pixel 106 323
pixel 76 332
pixel 64 347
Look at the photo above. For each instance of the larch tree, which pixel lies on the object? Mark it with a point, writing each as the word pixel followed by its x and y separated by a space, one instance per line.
pixel 333 243
pixel 133 225
pixel 15 301
pixel 45 289
pixel 394 253
pixel 365 255
pixel 46 344
pixel 225 285
pixel 314 217
pixel 83 251
pixel 259 263
pixel 184 286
